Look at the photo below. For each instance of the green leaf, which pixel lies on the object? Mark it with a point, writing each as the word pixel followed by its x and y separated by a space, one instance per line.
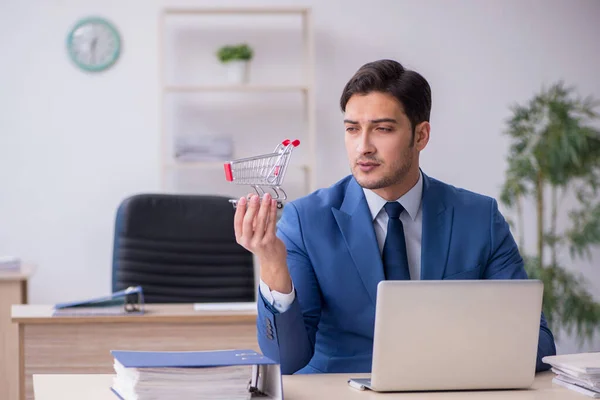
pixel 235 52
pixel 585 231
pixel 567 303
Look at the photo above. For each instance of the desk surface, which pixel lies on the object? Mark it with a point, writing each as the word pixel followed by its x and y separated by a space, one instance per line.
pixel 82 344
pixel 20 274
pixel 158 313
pixel 300 387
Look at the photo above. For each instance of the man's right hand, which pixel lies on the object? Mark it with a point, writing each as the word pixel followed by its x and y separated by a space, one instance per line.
pixel 255 225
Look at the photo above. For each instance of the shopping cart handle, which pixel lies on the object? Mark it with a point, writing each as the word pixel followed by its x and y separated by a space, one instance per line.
pixel 228 174
pixel 295 143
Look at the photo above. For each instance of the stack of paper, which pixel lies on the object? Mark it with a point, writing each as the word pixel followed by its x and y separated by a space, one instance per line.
pixel 212 375
pixel 9 263
pixel 578 372
pixel 237 306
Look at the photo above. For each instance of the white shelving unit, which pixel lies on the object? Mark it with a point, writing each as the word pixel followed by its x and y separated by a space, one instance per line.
pixel 181 93
pixel 236 88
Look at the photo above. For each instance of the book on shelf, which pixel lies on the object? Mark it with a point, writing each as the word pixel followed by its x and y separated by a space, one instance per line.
pixel 202 148
pixel 211 375
pixel 578 372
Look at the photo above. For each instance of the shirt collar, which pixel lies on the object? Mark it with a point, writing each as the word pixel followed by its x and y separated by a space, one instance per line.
pixel 411 200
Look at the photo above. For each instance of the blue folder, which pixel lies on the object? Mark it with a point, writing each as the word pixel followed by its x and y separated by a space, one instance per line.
pixel 128 301
pixel 183 359
pixel 266 372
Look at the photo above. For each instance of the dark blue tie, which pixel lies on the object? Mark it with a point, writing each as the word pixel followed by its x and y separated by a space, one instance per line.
pixel 395 261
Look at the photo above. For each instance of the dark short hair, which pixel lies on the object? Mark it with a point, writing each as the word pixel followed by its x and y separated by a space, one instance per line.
pixel 388 76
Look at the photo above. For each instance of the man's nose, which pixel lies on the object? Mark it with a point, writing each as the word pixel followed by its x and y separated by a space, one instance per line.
pixel 364 145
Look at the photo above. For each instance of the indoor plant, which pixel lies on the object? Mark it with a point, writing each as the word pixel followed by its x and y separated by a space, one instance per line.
pixel 237 60
pixel 554 160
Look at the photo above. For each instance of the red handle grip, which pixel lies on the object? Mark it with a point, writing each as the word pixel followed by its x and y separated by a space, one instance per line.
pixel 228 173
pixel 295 143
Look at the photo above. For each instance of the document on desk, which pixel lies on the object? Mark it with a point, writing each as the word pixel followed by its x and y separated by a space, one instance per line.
pixel 242 306
pixel 582 363
pixel 124 302
pixel 578 372
pixel 222 374
pixel 576 387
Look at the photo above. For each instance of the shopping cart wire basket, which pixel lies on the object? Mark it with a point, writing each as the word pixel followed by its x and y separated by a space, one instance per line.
pixel 264 172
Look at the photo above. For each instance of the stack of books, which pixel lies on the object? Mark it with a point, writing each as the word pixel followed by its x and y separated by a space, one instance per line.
pixel 203 148
pixel 9 263
pixel 211 375
pixel 578 372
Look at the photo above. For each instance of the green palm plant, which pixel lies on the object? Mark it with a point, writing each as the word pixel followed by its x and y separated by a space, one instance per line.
pixel 555 153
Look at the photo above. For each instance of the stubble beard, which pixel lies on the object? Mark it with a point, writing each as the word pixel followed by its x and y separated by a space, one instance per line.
pixel 397 174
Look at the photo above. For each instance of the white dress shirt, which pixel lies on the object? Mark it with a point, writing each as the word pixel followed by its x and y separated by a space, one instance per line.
pixel 412 221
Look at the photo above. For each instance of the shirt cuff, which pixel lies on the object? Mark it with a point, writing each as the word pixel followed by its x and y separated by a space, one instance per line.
pixel 280 301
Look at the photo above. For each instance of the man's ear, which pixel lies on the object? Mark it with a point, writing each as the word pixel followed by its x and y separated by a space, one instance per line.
pixel 422 131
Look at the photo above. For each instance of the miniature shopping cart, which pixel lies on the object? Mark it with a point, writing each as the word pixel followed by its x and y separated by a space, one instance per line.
pixel 264 172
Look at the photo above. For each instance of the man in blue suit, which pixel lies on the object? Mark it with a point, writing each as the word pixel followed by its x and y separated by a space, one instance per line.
pixel 321 263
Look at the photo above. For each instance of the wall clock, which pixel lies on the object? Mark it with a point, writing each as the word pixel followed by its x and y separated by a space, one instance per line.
pixel 94 44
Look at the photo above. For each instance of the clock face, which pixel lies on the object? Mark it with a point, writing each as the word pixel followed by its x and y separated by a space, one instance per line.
pixel 94 44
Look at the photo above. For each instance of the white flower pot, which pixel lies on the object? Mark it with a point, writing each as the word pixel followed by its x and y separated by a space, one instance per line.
pixel 237 71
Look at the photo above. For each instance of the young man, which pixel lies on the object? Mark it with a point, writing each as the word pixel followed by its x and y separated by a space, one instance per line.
pixel 320 265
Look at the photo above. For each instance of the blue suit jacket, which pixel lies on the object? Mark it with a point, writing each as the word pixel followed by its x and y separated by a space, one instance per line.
pixel 335 265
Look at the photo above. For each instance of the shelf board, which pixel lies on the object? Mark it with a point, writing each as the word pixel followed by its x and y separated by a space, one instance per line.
pixel 237 10
pixel 215 164
pixel 195 164
pixel 234 88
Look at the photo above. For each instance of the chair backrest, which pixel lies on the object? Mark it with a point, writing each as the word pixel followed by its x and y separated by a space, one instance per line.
pixel 181 249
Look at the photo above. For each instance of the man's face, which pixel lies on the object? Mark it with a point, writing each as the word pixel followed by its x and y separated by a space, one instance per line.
pixel 379 140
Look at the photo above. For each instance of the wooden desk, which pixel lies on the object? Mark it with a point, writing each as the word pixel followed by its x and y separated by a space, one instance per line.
pixel 67 345
pixel 13 290
pixel 302 387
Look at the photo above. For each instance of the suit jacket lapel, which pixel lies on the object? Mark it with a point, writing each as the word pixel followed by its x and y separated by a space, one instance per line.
pixel 437 230
pixel 355 223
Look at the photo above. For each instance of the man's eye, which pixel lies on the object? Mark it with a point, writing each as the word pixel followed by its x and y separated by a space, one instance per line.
pixel 381 128
pixel 350 129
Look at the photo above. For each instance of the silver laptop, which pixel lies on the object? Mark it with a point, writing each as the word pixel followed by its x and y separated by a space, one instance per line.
pixel 455 335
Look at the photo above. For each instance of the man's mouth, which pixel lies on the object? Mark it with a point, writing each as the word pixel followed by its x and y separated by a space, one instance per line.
pixel 367 166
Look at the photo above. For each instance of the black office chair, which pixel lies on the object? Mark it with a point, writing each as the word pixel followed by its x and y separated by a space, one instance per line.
pixel 181 249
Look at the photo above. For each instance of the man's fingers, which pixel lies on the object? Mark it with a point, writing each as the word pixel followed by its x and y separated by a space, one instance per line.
pixel 248 223
pixel 263 215
pixel 238 219
pixel 272 226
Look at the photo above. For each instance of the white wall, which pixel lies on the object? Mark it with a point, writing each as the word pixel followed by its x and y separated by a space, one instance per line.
pixel 73 145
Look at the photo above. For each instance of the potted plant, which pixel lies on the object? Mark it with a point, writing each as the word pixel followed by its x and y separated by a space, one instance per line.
pixel 554 156
pixel 237 59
